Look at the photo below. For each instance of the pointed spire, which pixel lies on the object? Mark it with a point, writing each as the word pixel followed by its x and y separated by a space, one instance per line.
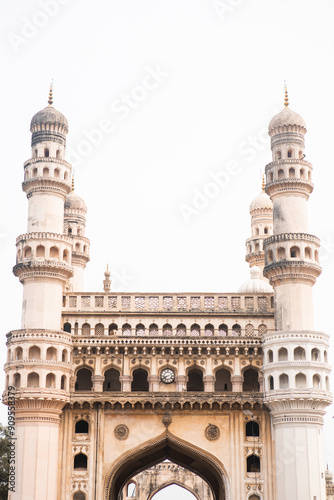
pixel 263 183
pixel 73 182
pixel 107 280
pixel 286 97
pixel 50 101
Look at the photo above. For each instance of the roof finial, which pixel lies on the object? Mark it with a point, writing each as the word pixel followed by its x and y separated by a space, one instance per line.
pixel 263 183
pixel 73 182
pixel 286 98
pixel 50 101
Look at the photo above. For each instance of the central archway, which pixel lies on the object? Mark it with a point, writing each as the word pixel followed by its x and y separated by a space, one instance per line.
pixel 167 446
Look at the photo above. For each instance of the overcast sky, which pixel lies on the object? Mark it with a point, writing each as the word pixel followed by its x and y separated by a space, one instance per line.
pixel 168 104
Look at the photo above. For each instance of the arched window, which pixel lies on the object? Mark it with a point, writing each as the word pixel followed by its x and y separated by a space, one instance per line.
pixel 302 173
pixel 254 497
pixel 131 490
pixel 283 381
pixel 85 329
pixel 113 328
pixel 34 352
pixel 290 153
pixel 46 172
pixel 223 380
pixel 99 330
pixel 299 354
pixel 27 253
pixel 209 330
pixel 57 173
pixel 195 380
pixel 195 330
pixel 315 354
pixel 316 256
pixel 270 257
pixel 292 173
pixel 281 253
pixel 316 382
pixel 140 329
pixel 271 383
pixel 69 230
pixel 253 464
pixel 278 155
pixel 54 253
pixel 81 427
pixel 327 383
pixel 111 380
pixel 301 381
pixel 51 353
pixel 251 380
pixel 65 255
pixel 295 252
pixel 80 462
pixel 139 381
pixel 78 231
pixel 181 330
pixel 252 429
pixel 126 329
pixel 18 353
pixel 40 251
pixel 236 330
pixel 51 380
pixel 35 153
pixel 308 253
pixel 271 176
pixel 167 330
pixel 280 174
pixel 301 154
pixel 33 380
pixel 46 153
pixel 79 495
pixel 63 383
pixel 153 330
pixel 283 354
pixel 257 231
pixel 270 356
pixel 58 154
pixel 222 330
pixel 17 380
pixel 77 247
pixel 84 380
pixel 257 247
pixel 35 172
pixel 67 327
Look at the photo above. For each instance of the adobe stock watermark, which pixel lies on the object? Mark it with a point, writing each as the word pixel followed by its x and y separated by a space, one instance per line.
pixel 120 110
pixel 220 179
pixel 225 7
pixel 120 280
pixel 30 27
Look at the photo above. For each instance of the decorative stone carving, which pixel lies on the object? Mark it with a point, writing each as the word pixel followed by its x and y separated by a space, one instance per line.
pixel 121 432
pixel 167 420
pixel 212 432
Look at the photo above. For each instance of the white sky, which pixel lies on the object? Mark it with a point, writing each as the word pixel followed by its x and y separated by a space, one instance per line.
pixel 221 67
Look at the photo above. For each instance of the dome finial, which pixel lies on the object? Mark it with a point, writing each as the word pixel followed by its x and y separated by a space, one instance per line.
pixel 73 182
pixel 263 183
pixel 50 101
pixel 286 97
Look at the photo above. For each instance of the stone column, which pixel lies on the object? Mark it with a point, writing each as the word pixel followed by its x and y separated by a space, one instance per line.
pixel 97 383
pixel 237 382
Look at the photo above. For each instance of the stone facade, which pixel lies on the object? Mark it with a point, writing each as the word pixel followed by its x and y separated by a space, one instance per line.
pixel 229 387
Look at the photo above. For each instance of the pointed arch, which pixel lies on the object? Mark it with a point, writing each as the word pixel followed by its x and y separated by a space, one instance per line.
pixel 167 446
pixel 170 483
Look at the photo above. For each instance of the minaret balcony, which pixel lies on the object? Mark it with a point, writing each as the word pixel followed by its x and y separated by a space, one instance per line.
pixel 46 184
pixel 32 269
pixel 41 246
pixel 47 168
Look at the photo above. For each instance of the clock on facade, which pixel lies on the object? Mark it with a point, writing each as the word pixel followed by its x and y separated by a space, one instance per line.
pixel 167 376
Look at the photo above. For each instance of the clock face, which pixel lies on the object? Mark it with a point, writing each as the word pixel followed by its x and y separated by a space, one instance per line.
pixel 167 376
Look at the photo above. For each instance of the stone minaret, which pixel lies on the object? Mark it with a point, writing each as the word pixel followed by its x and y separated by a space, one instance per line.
pixel 39 354
pixel 295 356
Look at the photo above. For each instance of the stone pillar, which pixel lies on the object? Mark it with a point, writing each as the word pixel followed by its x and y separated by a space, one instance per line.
pixel 237 382
pixel 126 382
pixel 153 383
pixel 209 383
pixel 97 383
pixel 181 383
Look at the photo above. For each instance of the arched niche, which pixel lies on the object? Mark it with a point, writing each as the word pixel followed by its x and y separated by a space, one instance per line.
pixel 152 495
pixel 167 446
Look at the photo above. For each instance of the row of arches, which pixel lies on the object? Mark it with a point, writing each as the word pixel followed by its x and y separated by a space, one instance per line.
pixel 34 352
pixel 298 354
pixel 45 153
pixel 40 252
pixel 289 153
pixel 291 173
pixel 57 173
pixel 194 382
pixel 299 382
pixel 33 381
pixel 293 252
pixel 167 330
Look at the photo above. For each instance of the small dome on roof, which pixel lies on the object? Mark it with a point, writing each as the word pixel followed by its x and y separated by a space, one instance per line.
pixel 49 115
pixel 286 117
pixel 255 284
pixel 74 202
pixel 261 201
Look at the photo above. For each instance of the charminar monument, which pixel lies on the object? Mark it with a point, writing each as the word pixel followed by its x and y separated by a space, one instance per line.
pixel 118 395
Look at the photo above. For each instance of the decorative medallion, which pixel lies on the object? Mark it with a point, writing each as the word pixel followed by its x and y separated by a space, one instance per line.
pixel 212 432
pixel 121 432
